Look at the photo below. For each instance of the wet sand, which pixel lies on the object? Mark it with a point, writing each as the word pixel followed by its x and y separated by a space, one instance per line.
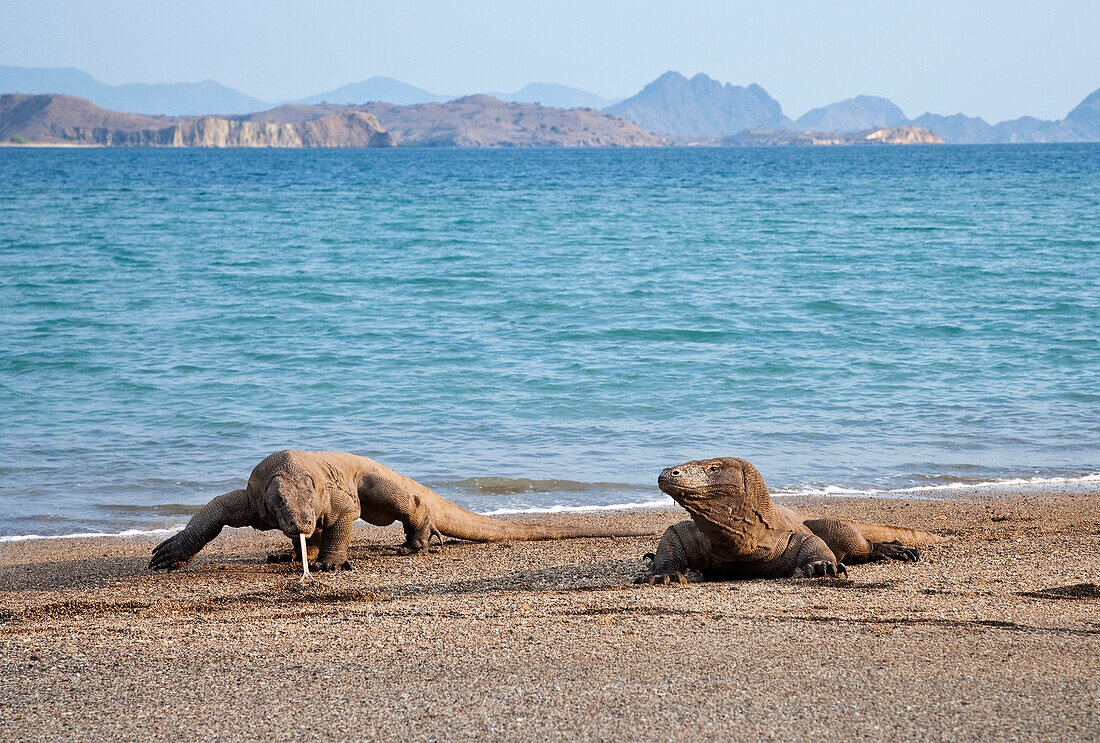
pixel 994 636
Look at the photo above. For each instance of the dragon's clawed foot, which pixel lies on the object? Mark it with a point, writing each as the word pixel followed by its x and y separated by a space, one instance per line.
pixel 435 533
pixel 171 554
pixel 674 578
pixel 822 569
pixel 894 551
pixel 330 564
pixel 415 543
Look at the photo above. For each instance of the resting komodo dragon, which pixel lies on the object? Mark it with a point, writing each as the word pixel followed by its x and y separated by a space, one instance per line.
pixel 737 532
pixel 320 494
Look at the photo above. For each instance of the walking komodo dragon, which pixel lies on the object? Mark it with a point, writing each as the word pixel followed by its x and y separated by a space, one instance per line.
pixel 737 532
pixel 320 494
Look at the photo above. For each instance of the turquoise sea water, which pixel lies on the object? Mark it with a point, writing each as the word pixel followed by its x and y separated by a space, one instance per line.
pixel 845 318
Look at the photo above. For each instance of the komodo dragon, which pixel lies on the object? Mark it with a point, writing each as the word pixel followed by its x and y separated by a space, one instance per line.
pixel 737 532
pixel 320 494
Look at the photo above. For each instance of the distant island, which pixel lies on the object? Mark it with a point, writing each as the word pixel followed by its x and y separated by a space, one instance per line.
pixel 789 137
pixel 474 121
pixel 64 106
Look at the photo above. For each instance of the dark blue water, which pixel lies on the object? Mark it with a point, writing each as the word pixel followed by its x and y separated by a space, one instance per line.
pixel 863 318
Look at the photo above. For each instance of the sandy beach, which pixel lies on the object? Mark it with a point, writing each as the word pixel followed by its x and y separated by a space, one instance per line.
pixel 994 635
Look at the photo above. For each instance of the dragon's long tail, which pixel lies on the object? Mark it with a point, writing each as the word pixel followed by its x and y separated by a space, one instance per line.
pixel 455 521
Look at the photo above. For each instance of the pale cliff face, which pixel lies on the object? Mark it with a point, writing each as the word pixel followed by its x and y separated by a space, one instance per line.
pixel 354 129
pixel 905 135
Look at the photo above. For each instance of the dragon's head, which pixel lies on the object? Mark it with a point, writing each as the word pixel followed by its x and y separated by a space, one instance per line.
pixel 727 499
pixel 704 478
pixel 293 501
pixel 292 492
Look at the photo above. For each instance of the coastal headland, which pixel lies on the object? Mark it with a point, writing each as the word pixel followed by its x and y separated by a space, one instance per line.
pixel 991 636
pixel 474 121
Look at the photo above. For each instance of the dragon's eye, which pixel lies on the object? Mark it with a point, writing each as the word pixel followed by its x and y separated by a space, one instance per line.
pixel 714 468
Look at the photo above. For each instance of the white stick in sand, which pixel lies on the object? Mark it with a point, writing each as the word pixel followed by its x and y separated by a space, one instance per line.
pixel 305 560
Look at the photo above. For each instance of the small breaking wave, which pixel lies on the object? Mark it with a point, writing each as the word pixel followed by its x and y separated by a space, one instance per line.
pixel 580 509
pixel 81 535
pixel 515 485
pixel 162 509
pixel 956 484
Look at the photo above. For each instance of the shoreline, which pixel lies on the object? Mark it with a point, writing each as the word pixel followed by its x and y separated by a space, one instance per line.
pixel 1086 484
pixel 991 636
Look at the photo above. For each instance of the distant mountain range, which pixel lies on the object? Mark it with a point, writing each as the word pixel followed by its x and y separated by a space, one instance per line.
pixel 1080 125
pixel 209 97
pixel 702 108
pixel 173 99
pixel 557 96
pixel 699 108
pixel 388 90
pixel 374 89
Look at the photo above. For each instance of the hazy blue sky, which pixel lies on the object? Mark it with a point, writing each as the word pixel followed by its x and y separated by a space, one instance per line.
pixel 995 59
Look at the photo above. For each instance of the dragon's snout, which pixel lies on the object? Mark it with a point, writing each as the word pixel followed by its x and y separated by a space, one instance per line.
pixel 295 521
pixel 689 477
pixel 298 524
pixel 671 479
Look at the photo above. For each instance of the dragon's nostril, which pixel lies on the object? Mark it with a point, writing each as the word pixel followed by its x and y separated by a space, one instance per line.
pixel 675 473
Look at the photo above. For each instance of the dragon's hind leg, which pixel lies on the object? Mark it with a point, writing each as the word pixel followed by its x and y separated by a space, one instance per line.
pixel 419 540
pixel 849 545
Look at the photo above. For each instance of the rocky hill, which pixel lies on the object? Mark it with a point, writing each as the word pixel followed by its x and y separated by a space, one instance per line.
pixel 56 118
pixel 1085 118
pixel 62 119
pixel 484 121
pixel 700 107
pixel 885 135
pixel 957 129
pixel 853 115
